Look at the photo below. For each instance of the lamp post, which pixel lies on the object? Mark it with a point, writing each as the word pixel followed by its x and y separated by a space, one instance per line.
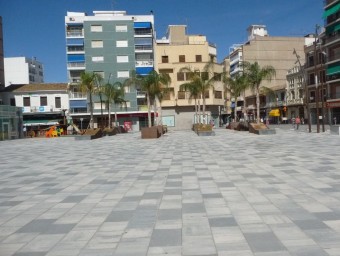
pixel 306 90
pixel 316 82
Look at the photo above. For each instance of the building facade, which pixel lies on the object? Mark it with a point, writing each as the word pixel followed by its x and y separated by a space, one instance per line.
pixel 112 44
pixel 295 93
pixel 22 70
pixel 268 51
pixel 331 46
pixel 179 50
pixel 2 69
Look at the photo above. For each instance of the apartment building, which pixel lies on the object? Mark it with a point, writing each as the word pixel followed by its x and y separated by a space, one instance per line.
pixel 267 50
pixel 179 50
pixel 23 70
pixel 112 44
pixel 295 93
pixel 331 47
pixel 2 69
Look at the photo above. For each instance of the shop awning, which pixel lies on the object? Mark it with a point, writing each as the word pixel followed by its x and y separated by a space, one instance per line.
pixel 40 122
pixel 333 69
pixel 331 10
pixel 274 112
pixel 332 28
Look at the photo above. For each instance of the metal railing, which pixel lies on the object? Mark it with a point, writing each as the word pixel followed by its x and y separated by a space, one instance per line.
pixel 144 63
pixel 77 95
pixel 76 65
pixel 75 33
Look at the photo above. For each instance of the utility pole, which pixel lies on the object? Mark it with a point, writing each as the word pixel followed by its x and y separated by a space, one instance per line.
pixel 306 90
pixel 316 82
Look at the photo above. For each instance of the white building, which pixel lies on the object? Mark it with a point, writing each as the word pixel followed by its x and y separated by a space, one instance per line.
pixel 22 70
pixel 42 104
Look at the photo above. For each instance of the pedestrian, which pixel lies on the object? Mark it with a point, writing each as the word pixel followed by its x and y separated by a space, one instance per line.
pixel 25 131
pixel 334 120
pixel 297 121
pixel 302 120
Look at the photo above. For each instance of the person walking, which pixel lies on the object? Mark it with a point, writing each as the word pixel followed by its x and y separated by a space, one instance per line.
pixel 297 121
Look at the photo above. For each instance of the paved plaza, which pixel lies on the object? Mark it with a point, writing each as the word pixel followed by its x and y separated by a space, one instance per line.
pixel 235 194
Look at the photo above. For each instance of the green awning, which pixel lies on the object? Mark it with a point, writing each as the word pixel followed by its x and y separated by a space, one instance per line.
pixel 332 29
pixel 331 10
pixel 333 69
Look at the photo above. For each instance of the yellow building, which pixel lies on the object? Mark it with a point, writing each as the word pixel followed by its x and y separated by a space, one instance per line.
pixel 178 50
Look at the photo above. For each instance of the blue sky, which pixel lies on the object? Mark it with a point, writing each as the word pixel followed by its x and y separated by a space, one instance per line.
pixel 35 28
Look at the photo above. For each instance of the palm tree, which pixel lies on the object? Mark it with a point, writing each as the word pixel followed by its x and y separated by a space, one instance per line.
pixel 87 85
pixel 114 93
pixel 255 75
pixel 194 89
pixel 202 80
pixel 235 86
pixel 152 84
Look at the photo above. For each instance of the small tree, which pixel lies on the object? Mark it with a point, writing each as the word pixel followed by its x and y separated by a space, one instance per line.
pixel 255 75
pixel 235 86
pixel 152 84
pixel 114 93
pixel 202 80
pixel 87 85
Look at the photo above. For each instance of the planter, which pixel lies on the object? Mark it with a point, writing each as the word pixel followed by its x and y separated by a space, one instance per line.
pixel 153 132
pixel 109 132
pixel 203 129
pixel 335 129
pixel 90 134
pixel 260 129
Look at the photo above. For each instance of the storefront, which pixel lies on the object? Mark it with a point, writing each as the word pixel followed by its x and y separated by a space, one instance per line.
pixel 11 124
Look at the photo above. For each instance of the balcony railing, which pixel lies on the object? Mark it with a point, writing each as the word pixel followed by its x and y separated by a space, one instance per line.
pixel 76 65
pixel 332 38
pixel 143 47
pixel 334 96
pixel 295 101
pixel 77 95
pixel 75 33
pixel 144 63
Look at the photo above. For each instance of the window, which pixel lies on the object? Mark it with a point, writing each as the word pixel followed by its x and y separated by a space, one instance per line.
pixel 206 94
pixel 218 94
pixel 123 43
pixel 27 101
pixel 100 73
pixel 12 102
pixel 123 74
pixel 181 95
pixel 57 102
pixel 311 79
pixel 97 58
pixel 198 58
pixel 43 101
pixel 122 59
pixel 205 75
pixel 97 44
pixel 180 76
pixel 96 28
pixel 165 59
pixel 166 71
pixel 181 58
pixel 121 28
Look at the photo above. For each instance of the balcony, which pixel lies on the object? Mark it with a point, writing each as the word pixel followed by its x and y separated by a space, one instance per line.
pixel 332 38
pixel 77 95
pixel 144 63
pixel 76 65
pixel 295 102
pixel 143 48
pixel 141 94
pixel 334 96
pixel 75 33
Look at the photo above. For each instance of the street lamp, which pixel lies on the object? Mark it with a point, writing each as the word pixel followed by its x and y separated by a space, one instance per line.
pixel 316 83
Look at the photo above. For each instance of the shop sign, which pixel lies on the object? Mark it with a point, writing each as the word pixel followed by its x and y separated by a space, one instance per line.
pixel 333 104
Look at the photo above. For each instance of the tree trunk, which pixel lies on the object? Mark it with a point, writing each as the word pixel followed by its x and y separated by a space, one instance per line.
pixel 91 112
pixel 116 119
pixel 149 109
pixel 257 105
pixel 196 115
pixel 203 101
pixel 109 112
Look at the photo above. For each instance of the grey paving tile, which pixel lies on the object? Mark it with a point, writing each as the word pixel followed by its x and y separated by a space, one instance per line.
pixel 166 237
pixel 264 242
